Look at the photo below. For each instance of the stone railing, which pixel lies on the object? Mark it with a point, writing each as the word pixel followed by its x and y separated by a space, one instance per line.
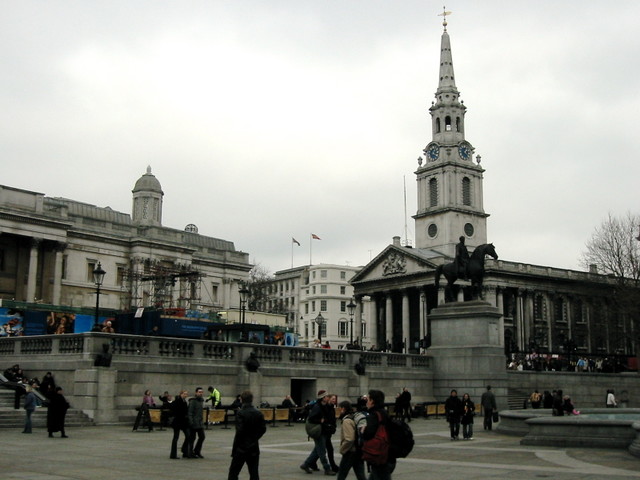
pixel 123 346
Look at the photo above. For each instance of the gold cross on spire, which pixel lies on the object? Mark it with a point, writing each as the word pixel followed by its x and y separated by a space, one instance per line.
pixel 444 17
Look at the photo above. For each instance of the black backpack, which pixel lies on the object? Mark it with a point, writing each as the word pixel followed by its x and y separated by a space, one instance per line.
pixel 400 438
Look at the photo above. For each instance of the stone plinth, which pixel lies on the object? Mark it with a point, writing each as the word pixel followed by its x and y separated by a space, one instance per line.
pixel 467 350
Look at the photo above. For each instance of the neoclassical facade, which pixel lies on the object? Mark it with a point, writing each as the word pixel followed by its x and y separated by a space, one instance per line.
pixel 49 248
pixel 543 308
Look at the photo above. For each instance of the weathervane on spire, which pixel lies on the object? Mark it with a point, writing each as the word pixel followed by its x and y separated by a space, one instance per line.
pixel 444 17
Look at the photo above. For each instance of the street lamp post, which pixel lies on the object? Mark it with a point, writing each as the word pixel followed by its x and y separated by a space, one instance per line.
pixel 320 320
pixel 351 308
pixel 244 292
pixel 98 278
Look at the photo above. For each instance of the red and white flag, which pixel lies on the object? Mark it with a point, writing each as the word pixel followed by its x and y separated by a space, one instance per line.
pixel 315 237
pixel 295 241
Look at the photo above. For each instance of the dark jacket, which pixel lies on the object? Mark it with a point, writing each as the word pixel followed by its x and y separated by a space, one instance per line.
pixel 179 411
pixel 196 406
pixel 320 412
pixel 468 409
pixel 56 412
pixel 454 409
pixel 250 427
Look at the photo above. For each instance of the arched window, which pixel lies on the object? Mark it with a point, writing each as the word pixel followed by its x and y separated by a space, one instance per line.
pixel 447 123
pixel 466 191
pixel 433 192
pixel 458 124
pixel 437 125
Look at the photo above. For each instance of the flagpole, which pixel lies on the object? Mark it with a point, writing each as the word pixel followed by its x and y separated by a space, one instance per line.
pixel 310 244
pixel 292 253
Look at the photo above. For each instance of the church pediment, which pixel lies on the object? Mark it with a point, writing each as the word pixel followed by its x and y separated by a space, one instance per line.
pixel 396 261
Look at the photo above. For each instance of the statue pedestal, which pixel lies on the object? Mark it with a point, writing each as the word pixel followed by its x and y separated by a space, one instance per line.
pixel 467 346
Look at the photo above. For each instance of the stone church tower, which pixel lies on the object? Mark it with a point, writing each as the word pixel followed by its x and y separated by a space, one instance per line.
pixel 450 193
pixel 147 201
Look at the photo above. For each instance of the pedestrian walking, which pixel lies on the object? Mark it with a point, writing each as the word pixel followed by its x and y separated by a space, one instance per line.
pixel 180 423
pixel 196 424
pixel 30 402
pixel 488 402
pixel 57 412
pixel 454 410
pixel 250 427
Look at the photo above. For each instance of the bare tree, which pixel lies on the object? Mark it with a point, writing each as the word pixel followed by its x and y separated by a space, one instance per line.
pixel 259 283
pixel 614 249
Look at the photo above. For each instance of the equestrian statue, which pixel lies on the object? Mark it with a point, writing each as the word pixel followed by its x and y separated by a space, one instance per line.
pixel 465 267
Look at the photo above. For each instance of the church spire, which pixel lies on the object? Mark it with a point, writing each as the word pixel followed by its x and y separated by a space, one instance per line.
pixel 447 79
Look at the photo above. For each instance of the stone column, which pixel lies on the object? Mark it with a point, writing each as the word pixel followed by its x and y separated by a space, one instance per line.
pixel 388 317
pixel 57 273
pixel 528 317
pixel 406 331
pixel 520 320
pixel 33 269
pixel 357 321
pixel 372 329
pixel 423 313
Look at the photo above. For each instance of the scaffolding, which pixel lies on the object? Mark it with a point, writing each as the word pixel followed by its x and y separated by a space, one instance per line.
pixel 163 285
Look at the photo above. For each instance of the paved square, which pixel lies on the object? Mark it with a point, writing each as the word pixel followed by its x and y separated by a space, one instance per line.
pixel 115 452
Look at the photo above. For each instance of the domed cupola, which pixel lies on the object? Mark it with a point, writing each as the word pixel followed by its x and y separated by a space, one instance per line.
pixel 147 200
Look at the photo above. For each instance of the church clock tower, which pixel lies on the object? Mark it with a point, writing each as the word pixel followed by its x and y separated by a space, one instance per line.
pixel 449 182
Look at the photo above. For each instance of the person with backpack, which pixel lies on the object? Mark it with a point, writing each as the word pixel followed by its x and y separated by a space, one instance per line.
pixel 319 415
pixel 375 440
pixel 349 444
pixel 454 411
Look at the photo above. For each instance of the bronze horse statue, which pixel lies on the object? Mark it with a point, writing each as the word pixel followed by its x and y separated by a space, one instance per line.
pixel 475 271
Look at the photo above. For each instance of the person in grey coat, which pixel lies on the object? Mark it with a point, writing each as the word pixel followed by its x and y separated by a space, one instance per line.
pixel 30 403
pixel 196 423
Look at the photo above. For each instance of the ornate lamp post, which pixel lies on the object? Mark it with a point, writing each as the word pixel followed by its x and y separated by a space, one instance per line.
pixel 320 320
pixel 351 308
pixel 244 293
pixel 98 278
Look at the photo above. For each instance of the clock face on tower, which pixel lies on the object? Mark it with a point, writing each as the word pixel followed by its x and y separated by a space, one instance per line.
pixel 433 152
pixel 464 151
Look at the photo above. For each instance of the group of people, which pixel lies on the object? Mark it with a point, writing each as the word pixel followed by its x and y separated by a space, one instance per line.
pixel 187 418
pixel 358 426
pixel 37 393
pixel 548 362
pixel 461 411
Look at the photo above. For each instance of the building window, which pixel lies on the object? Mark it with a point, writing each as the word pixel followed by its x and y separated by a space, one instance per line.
pixel 313 290
pixel 214 293
pixel 559 310
pixel 313 306
pixel 343 290
pixel 538 308
pixel 120 272
pixel 306 330
pixel 313 274
pixel 323 305
pixel 343 306
pixel 306 309
pixel 323 274
pixel 447 123
pixel 343 275
pixel 433 192
pixel 343 329
pixel 65 262
pixel 466 191
pixel 323 289
pixel 91 266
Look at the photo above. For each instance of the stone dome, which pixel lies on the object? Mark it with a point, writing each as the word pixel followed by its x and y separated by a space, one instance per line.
pixel 148 183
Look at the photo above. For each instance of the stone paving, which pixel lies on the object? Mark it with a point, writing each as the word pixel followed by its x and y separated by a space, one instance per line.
pixel 115 452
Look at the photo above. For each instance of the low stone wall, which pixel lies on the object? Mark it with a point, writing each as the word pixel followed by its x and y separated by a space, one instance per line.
pixel 587 390
pixel 110 394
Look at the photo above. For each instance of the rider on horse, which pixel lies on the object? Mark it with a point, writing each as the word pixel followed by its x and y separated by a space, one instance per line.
pixel 462 259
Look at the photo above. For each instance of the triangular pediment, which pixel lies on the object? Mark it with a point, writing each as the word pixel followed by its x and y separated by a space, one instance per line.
pixel 396 261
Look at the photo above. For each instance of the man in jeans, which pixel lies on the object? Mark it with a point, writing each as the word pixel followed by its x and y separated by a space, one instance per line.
pixel 320 414
pixel 196 423
pixel 488 402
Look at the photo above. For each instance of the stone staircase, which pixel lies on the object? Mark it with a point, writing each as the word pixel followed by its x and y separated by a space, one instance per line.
pixel 11 418
pixel 516 399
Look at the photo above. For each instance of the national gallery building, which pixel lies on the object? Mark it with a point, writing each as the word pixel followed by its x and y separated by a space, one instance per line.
pixel 543 309
pixel 50 247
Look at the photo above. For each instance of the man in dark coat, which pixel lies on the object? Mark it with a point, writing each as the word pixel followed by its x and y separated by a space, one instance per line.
pixel 405 404
pixel 180 423
pixel 250 427
pixel 454 410
pixel 57 412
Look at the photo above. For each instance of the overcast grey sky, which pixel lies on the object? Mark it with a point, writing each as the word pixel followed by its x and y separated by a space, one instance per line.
pixel 266 120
